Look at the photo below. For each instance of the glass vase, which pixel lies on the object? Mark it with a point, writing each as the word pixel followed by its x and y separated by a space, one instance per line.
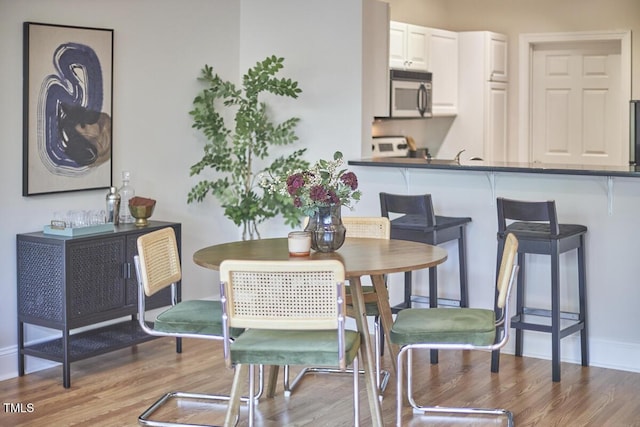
pixel 327 230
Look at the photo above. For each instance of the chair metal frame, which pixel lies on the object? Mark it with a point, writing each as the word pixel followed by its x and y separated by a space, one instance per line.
pixel 506 278
pixel 277 304
pixel 157 266
pixel 360 227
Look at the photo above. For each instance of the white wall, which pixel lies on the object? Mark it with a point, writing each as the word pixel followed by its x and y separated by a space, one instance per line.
pixel 160 47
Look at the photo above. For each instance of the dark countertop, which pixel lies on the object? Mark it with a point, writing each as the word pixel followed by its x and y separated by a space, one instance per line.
pixel 632 171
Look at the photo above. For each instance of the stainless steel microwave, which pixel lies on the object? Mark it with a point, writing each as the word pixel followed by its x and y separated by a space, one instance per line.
pixel 411 93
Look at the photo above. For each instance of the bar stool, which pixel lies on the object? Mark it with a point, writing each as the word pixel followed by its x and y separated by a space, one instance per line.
pixel 535 224
pixel 419 223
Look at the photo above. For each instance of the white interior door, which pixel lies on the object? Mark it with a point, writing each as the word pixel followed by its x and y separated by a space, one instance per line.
pixel 576 104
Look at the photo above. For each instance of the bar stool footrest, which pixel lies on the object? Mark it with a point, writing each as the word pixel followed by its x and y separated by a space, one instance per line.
pixel 565 315
pixel 518 323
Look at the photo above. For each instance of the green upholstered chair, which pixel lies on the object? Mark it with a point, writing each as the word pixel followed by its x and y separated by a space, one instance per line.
pixel 367 228
pixel 158 266
pixel 455 329
pixel 292 313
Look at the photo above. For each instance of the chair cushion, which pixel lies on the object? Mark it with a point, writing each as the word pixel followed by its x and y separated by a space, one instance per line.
pixel 201 317
pixel 541 231
pixel 419 222
pixel 287 347
pixel 444 325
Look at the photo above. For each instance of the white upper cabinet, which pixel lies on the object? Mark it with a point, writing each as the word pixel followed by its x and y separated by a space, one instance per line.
pixel 443 63
pixel 484 106
pixel 497 61
pixel 413 47
pixel 408 46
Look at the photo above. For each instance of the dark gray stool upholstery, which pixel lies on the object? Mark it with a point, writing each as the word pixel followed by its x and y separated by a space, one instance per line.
pixel 419 223
pixel 535 224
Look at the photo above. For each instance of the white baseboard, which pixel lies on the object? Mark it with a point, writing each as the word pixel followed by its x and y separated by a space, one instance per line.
pixel 602 353
pixel 9 363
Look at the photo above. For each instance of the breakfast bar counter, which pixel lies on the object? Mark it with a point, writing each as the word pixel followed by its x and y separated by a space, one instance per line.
pixel 632 171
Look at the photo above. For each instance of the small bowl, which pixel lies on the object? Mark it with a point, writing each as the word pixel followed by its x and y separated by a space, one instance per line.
pixel 141 214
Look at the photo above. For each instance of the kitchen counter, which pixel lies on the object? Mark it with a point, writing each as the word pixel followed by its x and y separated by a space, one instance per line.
pixel 632 171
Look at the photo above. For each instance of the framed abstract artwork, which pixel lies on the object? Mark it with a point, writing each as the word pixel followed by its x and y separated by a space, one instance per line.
pixel 67 108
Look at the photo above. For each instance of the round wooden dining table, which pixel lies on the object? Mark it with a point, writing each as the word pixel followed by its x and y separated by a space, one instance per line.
pixel 360 257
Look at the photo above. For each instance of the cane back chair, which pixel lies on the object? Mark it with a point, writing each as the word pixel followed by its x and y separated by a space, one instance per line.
pixel 455 329
pixel 158 266
pixel 292 313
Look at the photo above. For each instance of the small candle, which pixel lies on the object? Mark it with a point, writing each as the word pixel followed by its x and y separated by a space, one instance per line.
pixel 299 243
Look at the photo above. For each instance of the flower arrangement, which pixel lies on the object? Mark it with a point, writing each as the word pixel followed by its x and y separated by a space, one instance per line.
pixel 324 184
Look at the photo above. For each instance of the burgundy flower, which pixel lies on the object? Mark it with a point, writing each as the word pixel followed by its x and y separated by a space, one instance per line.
pixel 333 198
pixel 294 182
pixel 318 194
pixel 350 179
pixel 297 202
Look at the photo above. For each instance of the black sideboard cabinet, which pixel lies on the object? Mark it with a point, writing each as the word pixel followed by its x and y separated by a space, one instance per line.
pixel 67 283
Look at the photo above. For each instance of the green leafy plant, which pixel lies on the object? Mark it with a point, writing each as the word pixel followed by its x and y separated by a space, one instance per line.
pixel 236 153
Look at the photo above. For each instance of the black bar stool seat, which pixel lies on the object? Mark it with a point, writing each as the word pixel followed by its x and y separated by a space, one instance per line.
pixel 538 232
pixel 419 223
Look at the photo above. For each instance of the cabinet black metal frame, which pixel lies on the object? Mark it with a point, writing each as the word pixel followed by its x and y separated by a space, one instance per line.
pixel 72 284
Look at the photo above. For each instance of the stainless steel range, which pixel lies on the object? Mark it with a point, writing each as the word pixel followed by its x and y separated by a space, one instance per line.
pixel 389 146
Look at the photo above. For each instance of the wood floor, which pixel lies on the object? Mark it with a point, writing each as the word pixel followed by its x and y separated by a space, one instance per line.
pixel 113 389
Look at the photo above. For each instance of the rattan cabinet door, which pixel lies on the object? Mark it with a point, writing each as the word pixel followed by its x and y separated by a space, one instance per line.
pixel 96 276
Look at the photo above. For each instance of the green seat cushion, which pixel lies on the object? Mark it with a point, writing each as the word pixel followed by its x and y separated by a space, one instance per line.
pixel 289 347
pixel 201 317
pixel 444 325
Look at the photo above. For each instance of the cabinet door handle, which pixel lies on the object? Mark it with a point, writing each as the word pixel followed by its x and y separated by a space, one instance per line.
pixel 126 270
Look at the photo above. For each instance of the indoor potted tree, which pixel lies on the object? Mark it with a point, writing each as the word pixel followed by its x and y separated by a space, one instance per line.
pixel 237 153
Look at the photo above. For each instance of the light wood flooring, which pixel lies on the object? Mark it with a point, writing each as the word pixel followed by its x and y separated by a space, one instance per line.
pixel 113 389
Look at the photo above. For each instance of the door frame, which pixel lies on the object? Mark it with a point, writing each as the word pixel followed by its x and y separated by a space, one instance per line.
pixel 526 46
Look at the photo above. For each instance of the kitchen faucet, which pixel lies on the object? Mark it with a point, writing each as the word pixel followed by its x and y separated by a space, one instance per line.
pixel 457 157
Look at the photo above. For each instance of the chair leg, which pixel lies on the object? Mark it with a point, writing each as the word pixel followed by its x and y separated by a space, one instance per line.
pixel 356 390
pixel 462 257
pixel 520 304
pixel 144 420
pixel 252 405
pixel 433 302
pixel 417 409
pixel 555 314
pixel 381 340
pixel 582 295
pixel 495 354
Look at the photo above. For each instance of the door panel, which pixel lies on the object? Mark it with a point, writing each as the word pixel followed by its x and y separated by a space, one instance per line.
pixel 575 104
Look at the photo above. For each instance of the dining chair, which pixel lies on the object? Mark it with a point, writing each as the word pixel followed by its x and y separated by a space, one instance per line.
pixel 157 266
pixel 292 313
pixel 455 329
pixel 369 228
